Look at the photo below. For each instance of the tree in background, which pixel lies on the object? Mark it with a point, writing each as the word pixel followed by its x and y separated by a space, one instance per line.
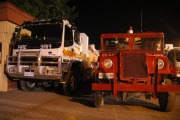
pixel 45 9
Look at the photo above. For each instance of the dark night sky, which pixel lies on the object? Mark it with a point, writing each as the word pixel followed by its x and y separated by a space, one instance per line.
pixel 114 16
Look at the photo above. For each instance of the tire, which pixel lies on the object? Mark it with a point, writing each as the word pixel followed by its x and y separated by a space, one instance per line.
pixel 98 99
pixel 71 84
pixel 87 75
pixel 27 86
pixel 73 78
pixel 167 99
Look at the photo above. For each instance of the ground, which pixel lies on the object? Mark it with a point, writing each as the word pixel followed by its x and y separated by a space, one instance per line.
pixel 51 105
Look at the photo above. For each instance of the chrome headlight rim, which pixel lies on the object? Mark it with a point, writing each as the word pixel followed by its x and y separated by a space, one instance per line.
pixel 108 63
pixel 161 64
pixel 94 65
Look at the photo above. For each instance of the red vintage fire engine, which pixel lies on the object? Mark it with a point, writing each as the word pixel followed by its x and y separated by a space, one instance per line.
pixel 130 63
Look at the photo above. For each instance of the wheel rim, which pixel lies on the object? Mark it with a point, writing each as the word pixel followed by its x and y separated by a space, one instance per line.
pixel 30 84
pixel 73 83
pixel 27 86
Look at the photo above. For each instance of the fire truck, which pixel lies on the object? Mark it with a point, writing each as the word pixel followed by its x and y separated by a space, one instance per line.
pixel 174 58
pixel 49 53
pixel 130 64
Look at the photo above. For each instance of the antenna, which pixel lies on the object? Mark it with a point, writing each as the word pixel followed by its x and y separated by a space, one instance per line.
pixel 141 21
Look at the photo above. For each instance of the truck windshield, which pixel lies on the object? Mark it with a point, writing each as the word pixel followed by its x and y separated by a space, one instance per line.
pixel 34 36
pixel 145 44
pixel 111 44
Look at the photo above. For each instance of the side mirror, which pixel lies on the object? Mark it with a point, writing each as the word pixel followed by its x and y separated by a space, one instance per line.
pixel 73 27
pixel 16 29
pixel 13 37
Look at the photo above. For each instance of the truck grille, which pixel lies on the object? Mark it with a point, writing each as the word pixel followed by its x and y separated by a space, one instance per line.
pixel 33 61
pixel 134 65
pixel 33 58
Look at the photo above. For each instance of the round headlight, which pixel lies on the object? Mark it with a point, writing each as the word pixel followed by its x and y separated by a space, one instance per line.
pixel 94 65
pixel 160 64
pixel 108 63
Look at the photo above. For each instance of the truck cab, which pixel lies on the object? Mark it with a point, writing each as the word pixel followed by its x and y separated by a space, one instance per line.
pixel 43 52
pixel 174 57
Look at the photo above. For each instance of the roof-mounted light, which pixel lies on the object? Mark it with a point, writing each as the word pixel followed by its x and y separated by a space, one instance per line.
pixel 130 30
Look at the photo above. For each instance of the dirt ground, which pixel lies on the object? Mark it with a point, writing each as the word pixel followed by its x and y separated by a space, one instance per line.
pixel 50 105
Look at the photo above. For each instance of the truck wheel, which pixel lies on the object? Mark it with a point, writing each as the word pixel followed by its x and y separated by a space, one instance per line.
pixel 72 84
pixel 98 99
pixel 167 99
pixel 27 86
pixel 88 74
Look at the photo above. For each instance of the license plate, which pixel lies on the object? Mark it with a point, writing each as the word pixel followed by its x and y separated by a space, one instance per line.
pixel 28 73
pixel 106 75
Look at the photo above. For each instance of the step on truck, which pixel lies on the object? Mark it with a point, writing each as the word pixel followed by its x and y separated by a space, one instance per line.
pixel 49 53
pixel 131 64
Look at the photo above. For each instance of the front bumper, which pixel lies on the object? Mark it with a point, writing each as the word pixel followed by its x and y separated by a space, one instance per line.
pixel 35 76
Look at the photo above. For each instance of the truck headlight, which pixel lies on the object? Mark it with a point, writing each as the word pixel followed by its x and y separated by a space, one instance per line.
pixel 94 65
pixel 177 73
pixel 160 64
pixel 108 63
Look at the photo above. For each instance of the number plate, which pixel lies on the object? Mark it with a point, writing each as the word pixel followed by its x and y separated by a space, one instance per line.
pixel 28 73
pixel 106 75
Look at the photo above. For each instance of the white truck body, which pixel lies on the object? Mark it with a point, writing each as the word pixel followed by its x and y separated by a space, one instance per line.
pixel 173 54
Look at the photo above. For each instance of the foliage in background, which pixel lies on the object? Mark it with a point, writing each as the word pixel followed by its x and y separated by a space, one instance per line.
pixel 45 9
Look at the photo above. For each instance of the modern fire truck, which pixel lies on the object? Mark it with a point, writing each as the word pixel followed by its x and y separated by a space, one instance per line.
pixel 133 63
pixel 173 54
pixel 48 53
